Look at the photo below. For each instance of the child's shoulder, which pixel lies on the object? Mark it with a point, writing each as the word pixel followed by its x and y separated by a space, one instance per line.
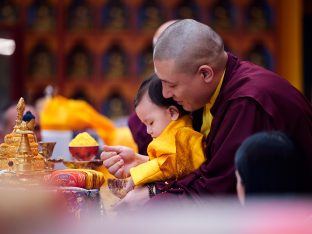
pixel 187 132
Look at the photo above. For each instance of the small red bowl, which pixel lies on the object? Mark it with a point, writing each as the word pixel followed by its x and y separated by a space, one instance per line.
pixel 83 153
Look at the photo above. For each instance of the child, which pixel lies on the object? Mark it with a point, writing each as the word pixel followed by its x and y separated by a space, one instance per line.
pixel 268 163
pixel 176 149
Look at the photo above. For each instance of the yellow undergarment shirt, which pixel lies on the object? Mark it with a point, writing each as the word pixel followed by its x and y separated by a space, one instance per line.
pixel 207 116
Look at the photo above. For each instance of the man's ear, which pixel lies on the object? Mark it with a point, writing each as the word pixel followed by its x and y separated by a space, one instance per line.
pixel 206 73
pixel 174 112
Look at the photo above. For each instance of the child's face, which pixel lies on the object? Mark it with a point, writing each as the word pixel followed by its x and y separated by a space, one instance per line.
pixel 154 117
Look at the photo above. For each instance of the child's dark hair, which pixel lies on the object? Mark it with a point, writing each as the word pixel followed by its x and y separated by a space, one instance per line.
pixel 153 86
pixel 269 164
pixel 141 91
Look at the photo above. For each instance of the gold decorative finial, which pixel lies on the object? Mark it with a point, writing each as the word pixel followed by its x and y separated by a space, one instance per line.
pixel 20 108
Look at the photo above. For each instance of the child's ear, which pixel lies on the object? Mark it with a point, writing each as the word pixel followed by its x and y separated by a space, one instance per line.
pixel 174 112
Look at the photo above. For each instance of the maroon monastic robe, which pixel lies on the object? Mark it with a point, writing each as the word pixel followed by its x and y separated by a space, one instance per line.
pixel 251 99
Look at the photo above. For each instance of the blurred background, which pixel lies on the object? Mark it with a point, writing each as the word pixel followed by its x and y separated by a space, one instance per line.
pixel 100 50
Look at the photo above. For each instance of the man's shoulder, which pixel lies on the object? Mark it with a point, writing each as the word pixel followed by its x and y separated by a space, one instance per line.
pixel 250 80
pixel 249 83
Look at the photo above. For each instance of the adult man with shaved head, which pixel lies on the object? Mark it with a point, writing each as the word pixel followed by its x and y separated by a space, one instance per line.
pixel 230 100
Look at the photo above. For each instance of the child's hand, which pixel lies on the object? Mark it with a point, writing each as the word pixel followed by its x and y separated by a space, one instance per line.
pixel 130 185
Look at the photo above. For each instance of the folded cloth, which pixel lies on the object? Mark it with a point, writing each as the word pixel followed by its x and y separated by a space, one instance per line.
pixel 80 202
pixel 82 178
pixel 60 113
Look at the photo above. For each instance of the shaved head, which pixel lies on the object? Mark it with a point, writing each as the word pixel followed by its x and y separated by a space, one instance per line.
pixel 190 44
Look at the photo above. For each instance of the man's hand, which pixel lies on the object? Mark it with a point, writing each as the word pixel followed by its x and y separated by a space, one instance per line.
pixel 119 159
pixel 133 200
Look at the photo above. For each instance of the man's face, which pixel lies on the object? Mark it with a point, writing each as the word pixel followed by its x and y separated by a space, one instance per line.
pixel 188 90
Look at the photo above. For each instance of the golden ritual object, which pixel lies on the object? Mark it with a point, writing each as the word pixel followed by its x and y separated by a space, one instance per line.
pixel 19 152
pixel 46 150
pixel 24 158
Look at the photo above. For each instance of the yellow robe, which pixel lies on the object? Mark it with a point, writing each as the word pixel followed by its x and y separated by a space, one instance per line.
pixel 175 153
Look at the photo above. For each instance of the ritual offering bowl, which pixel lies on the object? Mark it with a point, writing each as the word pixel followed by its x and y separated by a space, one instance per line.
pixel 118 187
pixel 83 147
pixel 83 153
pixel 46 149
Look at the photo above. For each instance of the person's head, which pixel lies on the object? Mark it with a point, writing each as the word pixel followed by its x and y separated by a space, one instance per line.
pixel 155 111
pixel 189 58
pixel 267 163
pixel 9 120
pixel 161 29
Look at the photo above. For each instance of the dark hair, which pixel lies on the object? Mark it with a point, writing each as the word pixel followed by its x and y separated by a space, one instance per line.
pixel 269 164
pixel 141 91
pixel 153 86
